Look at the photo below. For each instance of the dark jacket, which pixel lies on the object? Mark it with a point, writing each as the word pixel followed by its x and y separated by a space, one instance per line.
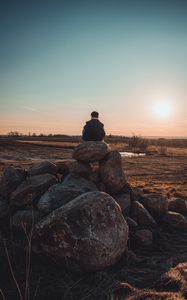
pixel 93 131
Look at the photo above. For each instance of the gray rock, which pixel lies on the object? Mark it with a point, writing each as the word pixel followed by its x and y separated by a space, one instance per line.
pixel 43 168
pixel 144 237
pixel 175 220
pixel 124 201
pixel 3 208
pixel 89 233
pixel 142 216
pixel 111 172
pixel 56 196
pixel 91 151
pixel 11 179
pixel 31 188
pixel 178 205
pixel 25 218
pixel 156 204
pixel 60 194
pixel 74 181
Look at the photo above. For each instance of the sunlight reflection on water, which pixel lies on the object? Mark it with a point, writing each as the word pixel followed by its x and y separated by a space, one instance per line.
pixel 131 154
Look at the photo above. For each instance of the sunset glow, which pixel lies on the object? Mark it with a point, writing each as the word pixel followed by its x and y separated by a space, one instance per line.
pixel 163 109
pixel 125 59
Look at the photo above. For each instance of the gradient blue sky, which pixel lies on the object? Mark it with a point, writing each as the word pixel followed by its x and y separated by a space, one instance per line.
pixel 59 60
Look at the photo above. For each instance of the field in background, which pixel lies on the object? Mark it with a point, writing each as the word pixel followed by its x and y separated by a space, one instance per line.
pixel 163 169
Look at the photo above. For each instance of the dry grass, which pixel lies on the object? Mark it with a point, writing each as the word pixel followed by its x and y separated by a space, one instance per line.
pixel 119 146
pixel 66 145
pixel 170 151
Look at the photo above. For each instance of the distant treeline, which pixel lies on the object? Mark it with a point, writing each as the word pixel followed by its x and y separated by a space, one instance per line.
pixel 143 142
pixel 134 140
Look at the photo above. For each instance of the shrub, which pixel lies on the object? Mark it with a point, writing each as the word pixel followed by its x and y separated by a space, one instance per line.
pixel 138 144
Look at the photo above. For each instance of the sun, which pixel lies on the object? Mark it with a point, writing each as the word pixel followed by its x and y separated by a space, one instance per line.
pixel 162 109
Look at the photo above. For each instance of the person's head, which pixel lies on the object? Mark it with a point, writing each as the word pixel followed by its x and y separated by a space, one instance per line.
pixel 95 114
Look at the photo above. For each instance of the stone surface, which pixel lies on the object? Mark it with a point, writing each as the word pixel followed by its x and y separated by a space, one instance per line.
pixel 56 196
pixel 177 205
pixel 60 194
pixel 81 169
pixel 111 172
pixel 131 223
pixel 95 176
pixel 25 218
pixel 175 220
pixel 91 151
pixel 11 178
pixel 142 216
pixel 144 237
pixel 156 204
pixel 89 233
pixel 75 181
pixel 42 168
pixel 124 201
pixel 31 188
pixel 3 208
pixel 75 167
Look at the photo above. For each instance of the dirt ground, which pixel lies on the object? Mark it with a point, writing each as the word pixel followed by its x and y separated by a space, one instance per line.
pixel 166 174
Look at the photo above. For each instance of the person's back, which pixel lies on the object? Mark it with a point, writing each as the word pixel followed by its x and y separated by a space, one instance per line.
pixel 94 129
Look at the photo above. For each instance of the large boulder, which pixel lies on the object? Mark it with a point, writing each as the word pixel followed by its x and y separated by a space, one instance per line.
pixel 31 188
pixel 175 220
pixel 156 204
pixel 142 216
pixel 111 172
pixel 178 205
pixel 88 233
pixel 91 151
pixel 124 201
pixel 42 168
pixel 12 177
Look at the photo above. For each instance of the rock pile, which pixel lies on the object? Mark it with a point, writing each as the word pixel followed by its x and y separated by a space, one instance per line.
pixel 82 209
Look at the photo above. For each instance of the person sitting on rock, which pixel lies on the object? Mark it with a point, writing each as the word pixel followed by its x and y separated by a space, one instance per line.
pixel 94 129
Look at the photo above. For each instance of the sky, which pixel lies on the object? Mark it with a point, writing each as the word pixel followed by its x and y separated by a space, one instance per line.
pixel 126 59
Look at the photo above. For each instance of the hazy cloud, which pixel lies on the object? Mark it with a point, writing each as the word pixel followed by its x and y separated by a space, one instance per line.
pixel 29 108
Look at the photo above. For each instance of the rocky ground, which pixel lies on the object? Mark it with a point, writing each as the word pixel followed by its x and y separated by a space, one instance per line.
pixel 154 265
